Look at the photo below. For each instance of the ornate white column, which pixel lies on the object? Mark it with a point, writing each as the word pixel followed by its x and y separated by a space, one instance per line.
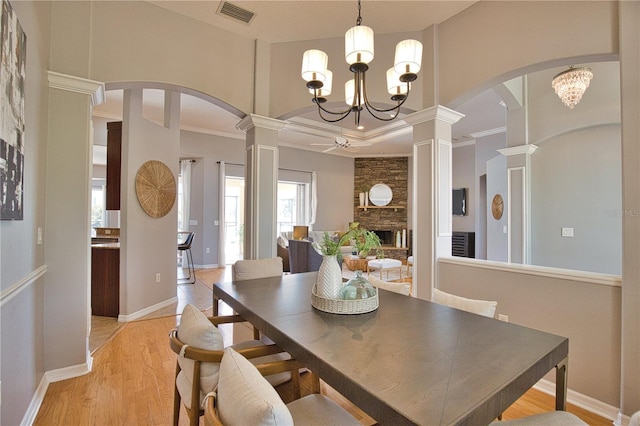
pixel 67 316
pixel 518 202
pixel 261 185
pixel 629 36
pixel 431 225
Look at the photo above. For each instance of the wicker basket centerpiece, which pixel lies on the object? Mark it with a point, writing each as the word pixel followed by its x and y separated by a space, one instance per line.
pixel 342 306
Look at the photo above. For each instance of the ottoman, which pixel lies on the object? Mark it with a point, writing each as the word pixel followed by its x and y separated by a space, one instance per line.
pixel 384 265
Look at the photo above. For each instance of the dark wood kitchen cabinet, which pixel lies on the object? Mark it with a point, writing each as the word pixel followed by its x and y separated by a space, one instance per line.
pixel 105 280
pixel 114 149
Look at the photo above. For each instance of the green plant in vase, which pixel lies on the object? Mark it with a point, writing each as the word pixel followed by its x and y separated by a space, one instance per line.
pixel 328 246
pixel 363 239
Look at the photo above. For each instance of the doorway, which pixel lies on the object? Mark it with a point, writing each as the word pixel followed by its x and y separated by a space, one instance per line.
pixel 233 219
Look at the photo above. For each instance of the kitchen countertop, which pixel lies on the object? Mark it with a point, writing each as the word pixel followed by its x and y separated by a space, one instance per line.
pixel 106 245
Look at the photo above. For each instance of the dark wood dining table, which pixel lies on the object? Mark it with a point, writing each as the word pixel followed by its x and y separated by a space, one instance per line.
pixel 410 361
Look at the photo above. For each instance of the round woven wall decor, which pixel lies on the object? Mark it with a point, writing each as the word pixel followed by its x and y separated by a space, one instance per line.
pixel 155 188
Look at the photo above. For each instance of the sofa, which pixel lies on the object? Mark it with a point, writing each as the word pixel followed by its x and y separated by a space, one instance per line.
pixel 300 256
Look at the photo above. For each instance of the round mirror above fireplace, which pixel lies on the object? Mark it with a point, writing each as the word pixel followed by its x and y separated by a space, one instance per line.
pixel 380 194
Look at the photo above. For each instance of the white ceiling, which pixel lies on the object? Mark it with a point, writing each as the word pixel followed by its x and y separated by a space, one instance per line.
pixel 281 21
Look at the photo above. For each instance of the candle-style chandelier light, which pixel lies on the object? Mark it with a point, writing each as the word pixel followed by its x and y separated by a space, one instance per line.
pixel 358 54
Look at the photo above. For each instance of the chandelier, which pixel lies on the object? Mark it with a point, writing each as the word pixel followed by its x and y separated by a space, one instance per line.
pixel 571 84
pixel 358 54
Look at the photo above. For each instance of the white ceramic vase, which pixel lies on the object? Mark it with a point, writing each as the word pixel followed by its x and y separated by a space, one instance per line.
pixel 361 199
pixel 329 278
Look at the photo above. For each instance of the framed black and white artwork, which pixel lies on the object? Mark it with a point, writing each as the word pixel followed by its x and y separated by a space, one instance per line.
pixel 13 52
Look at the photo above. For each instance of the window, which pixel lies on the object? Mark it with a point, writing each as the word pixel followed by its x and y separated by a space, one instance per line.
pixel 292 205
pixel 98 200
pixel 294 199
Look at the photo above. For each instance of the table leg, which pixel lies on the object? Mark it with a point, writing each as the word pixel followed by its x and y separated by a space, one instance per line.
pixel 215 306
pixel 561 385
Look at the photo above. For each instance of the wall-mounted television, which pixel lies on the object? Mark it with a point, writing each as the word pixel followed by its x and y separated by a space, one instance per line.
pixel 459 202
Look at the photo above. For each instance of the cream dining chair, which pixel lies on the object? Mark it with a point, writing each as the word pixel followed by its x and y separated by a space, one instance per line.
pixel 485 308
pixel 251 269
pixel 244 397
pixel 396 287
pixel 552 418
pixel 198 344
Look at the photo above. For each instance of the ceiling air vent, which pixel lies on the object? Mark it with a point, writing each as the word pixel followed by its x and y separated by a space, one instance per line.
pixel 237 13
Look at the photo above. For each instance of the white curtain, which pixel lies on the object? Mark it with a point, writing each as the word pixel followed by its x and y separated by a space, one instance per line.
pixel 314 199
pixel 185 172
pixel 222 177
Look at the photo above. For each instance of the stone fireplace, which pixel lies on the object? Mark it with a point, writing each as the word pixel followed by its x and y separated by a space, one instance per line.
pixel 388 220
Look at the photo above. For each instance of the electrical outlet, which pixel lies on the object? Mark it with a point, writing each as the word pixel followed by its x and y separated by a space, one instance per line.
pixel 567 232
pixel 158 277
pixel 39 235
pixel 207 250
pixel 504 318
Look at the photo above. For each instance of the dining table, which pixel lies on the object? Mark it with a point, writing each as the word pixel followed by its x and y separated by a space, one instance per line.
pixel 410 361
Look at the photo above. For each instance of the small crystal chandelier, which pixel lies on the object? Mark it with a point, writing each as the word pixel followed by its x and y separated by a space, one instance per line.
pixel 358 54
pixel 571 84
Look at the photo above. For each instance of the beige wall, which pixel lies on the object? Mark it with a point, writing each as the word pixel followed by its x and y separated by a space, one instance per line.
pixel 147 244
pixel 128 41
pixel 510 36
pixel 586 309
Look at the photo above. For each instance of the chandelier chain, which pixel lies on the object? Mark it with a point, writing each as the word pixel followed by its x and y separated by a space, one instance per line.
pixel 359 19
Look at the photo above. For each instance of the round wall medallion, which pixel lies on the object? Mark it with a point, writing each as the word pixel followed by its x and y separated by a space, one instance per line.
pixel 155 188
pixel 497 206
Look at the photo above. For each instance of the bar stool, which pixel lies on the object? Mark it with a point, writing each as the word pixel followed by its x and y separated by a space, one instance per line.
pixel 185 248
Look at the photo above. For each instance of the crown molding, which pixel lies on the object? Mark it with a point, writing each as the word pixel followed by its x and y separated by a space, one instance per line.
pixel 488 132
pixel 252 120
pixel 328 130
pixel 437 112
pixel 71 83
pixel 518 150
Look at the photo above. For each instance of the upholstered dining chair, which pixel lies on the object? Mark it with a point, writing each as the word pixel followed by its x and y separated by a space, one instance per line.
pixel 252 269
pixel 244 397
pixel 199 347
pixel 396 287
pixel 551 418
pixel 485 308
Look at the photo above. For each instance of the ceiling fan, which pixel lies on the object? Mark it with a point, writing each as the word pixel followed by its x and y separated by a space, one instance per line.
pixel 343 143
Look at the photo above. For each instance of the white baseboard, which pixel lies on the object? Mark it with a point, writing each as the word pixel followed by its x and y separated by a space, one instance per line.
pixel 47 378
pixel 583 401
pixel 67 372
pixel 215 265
pixel 146 311
pixel 622 420
pixel 36 402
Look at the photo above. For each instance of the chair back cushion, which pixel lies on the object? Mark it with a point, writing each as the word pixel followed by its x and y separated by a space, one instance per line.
pixel 245 397
pixel 260 268
pixel 486 308
pixel 402 288
pixel 196 330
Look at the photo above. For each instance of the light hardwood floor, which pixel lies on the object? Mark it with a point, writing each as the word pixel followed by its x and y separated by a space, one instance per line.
pixel 133 377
